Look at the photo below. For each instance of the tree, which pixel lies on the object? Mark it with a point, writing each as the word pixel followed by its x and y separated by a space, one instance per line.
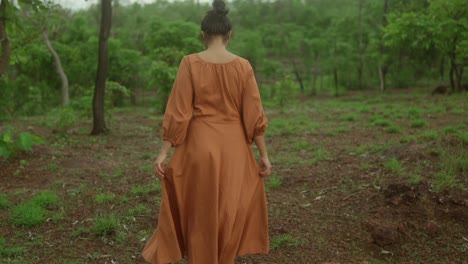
pixel 4 42
pixel 99 124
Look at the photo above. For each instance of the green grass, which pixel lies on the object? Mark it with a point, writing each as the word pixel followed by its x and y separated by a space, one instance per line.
pixel 414 179
pixel 140 209
pixel 429 135
pixel 300 145
pixel 321 154
pixel 106 225
pixel 46 199
pixel 28 215
pixel 393 129
pixel 146 189
pixel 284 240
pixel 414 112
pixel 9 251
pixel 394 165
pixel 349 117
pixel 4 202
pixel 102 198
pixel 451 164
pixel 297 125
pixel 381 122
pixel 273 182
pixel 418 123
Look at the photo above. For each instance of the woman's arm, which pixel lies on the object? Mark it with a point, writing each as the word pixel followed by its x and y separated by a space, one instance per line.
pixel 159 162
pixel 265 168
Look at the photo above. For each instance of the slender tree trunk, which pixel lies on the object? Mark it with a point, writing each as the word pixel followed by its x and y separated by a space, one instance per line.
pixel 99 124
pixel 452 73
pixel 315 73
pixel 361 46
pixel 59 68
pixel 383 67
pixel 298 76
pixel 459 73
pixel 442 68
pixel 335 69
pixel 4 42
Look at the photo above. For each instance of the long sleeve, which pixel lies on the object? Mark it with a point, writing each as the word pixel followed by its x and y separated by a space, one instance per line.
pixel 179 106
pixel 253 115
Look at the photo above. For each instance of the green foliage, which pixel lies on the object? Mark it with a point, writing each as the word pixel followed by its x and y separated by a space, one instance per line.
pixel 46 199
pixel 28 215
pixel 393 129
pixel 102 198
pixel 10 144
pixel 140 209
pixel 4 202
pixel 285 91
pixel 381 122
pixel 349 117
pixel 106 225
pixel 394 165
pixel 451 164
pixel 284 240
pixel 418 123
pixel 7 250
pixel 273 182
pixel 146 189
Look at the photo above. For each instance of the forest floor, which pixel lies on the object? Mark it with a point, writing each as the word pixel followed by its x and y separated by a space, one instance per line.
pixel 363 178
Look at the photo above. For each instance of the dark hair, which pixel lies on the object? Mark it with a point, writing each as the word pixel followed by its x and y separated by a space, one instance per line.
pixel 216 22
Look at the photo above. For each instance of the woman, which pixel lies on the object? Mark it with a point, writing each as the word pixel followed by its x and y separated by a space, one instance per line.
pixel 213 204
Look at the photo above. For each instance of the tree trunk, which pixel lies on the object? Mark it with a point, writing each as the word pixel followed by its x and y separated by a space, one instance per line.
pixel 59 68
pixel 99 124
pixel 298 76
pixel 459 74
pixel 361 46
pixel 383 67
pixel 442 68
pixel 4 42
pixel 382 75
pixel 452 73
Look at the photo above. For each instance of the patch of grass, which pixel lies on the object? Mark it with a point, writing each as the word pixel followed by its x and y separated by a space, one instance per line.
pixel 381 122
pixel 451 164
pixel 102 198
pixel 450 130
pixel 321 154
pixel 414 179
pixel 273 182
pixel 301 145
pixel 78 232
pixel 52 166
pixel 394 129
pixel 349 117
pixel 429 135
pixel 394 165
pixel 4 202
pixel 146 189
pixel 118 172
pixel 338 131
pixel 28 215
pixel 414 112
pixel 418 123
pixel 46 199
pixel 284 240
pixel 147 156
pixel 140 209
pixel 297 125
pixel 370 148
pixel 106 225
pixel 9 251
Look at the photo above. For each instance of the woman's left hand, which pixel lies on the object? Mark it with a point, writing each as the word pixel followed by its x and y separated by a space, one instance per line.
pixel 158 164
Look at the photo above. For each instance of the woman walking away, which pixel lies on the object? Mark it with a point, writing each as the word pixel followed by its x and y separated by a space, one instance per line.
pixel 213 204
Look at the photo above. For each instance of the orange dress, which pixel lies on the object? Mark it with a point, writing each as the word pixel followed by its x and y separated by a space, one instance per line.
pixel 213 204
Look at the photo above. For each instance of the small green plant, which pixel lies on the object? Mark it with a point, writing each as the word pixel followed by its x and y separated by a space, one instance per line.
pixel 414 179
pixel 46 199
pixel 414 112
pixel 140 209
pixel 450 164
pixel 102 198
pixel 274 182
pixel 106 225
pixel 4 202
pixel 321 154
pixel 394 165
pixel 349 117
pixel 146 189
pixel 28 215
pixel 381 122
pixel 450 130
pixel 10 146
pixel 284 240
pixel 394 129
pixel 118 172
pixel 78 232
pixel 429 135
pixel 9 251
pixel 418 123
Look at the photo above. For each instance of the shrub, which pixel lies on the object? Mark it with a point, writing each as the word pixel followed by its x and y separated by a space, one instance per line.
pixel 11 145
pixel 28 215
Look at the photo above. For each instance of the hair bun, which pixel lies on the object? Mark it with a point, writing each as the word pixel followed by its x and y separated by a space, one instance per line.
pixel 220 7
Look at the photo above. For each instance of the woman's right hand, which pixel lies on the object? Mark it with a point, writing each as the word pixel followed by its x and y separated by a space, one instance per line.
pixel 265 167
pixel 158 165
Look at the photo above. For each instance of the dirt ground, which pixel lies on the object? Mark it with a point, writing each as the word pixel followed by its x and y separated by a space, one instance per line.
pixel 342 205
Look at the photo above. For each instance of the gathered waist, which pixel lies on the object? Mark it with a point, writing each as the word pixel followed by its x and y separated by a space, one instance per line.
pixel 216 119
